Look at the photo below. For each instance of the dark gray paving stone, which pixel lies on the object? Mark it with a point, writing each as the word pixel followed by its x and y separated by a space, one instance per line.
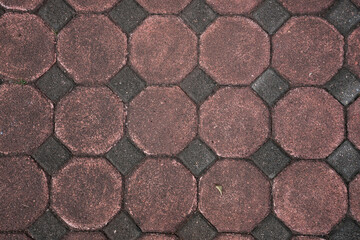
pixel 271 229
pixel 270 86
pixel 122 227
pixel 197 156
pixel 198 15
pixel 344 86
pixel 51 155
pixel 54 84
pixel 128 14
pixel 124 156
pixel 270 159
pixel 345 160
pixel 127 84
pixel 271 15
pixel 346 230
pixel 197 228
pixel 198 85
pixel 344 15
pixel 47 227
pixel 56 13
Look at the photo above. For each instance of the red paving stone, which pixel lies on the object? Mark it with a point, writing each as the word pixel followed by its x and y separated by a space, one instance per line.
pixel 353 52
pixel 161 193
pixel 163 49
pixel 13 236
pixel 161 6
pixel 234 122
pixel 301 196
pixel 234 50
pixel 25 119
pixel 357 2
pixel 89 120
pixel 21 5
pixel 157 237
pixel 245 197
pixel 98 52
pixel 306 6
pixel 233 237
pixel 308 123
pixel 307 51
pixel 353 123
pixel 23 192
pixel 162 120
pixel 86 193
pixel 85 236
pixel 27 47
pixel 91 5
pixel 233 6
pixel 354 192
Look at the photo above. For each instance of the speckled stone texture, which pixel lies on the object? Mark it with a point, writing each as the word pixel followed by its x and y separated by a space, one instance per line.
pixel 23 193
pixel 301 195
pixel 157 237
pixel 27 46
pixel 234 50
pixel 234 122
pixel 306 6
pixel 161 193
pixel 25 119
pixel 86 193
pixel 92 49
pixel 85 236
pixel 92 5
pixel 308 123
pixel 307 238
pixel 21 5
pixel 233 237
pixel 160 6
pixel 307 51
pixel 233 6
pixel 353 123
pixel 245 198
pixel 90 120
pixel 13 236
pixel 162 120
pixel 357 2
pixel 353 52
pixel 163 49
pixel 354 192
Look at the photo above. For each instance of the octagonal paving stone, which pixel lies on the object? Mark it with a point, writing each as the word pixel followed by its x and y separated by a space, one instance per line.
pixel 24 192
pixel 244 200
pixel 308 123
pixel 13 236
pixel 163 49
pixel 307 50
pixel 301 196
pixel 86 193
pixel 161 193
pixel 234 50
pixel 307 238
pixel 233 6
pixel 165 7
pixel 234 122
pixel 92 49
pixel 92 5
pixel 233 237
pixel 353 123
pixel 27 47
pixel 25 120
pixel 306 6
pixel 90 120
pixel 157 237
pixel 162 120
pixel 85 236
pixel 20 5
pixel 354 192
pixel 353 51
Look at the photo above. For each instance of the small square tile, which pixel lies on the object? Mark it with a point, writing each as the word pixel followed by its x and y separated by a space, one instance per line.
pixel 198 85
pixel 122 227
pixel 344 15
pixel 197 228
pixel 346 230
pixel 344 86
pixel 47 227
pixel 124 156
pixel 197 156
pixel 54 84
pixel 345 160
pixel 271 15
pixel 127 84
pixel 198 15
pixel 56 13
pixel 270 159
pixel 271 229
pixel 270 86
pixel 51 155
pixel 128 14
